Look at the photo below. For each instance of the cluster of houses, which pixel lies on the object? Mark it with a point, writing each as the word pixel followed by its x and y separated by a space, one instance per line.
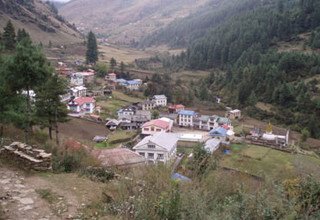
pixel 131 85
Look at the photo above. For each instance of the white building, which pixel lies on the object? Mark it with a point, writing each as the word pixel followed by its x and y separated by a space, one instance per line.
pixel 125 113
pixel 160 100
pixel 111 77
pixel 78 91
pixel 76 79
pixel 85 105
pixel 133 84
pixel 186 117
pixel 160 147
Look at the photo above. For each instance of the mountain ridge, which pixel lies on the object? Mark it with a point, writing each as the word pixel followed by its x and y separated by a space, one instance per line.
pixel 40 20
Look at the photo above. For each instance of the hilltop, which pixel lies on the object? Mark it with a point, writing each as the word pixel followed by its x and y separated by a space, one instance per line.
pixel 126 21
pixel 40 20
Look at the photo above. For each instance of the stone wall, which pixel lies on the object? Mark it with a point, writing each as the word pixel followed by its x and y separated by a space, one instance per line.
pixel 28 157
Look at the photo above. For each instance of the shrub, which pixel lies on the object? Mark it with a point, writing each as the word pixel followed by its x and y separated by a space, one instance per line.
pixel 98 174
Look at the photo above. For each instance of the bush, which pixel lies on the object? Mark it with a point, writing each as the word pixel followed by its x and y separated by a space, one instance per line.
pixel 98 174
pixel 71 160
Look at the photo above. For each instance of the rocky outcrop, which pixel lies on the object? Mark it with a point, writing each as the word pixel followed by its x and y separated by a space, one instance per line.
pixel 29 157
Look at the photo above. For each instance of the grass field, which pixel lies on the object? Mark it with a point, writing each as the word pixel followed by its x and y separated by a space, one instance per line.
pixel 268 163
pixel 118 100
pixel 117 136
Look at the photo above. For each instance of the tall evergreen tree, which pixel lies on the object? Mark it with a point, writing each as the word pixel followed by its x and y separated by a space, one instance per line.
pixel 28 69
pixel 92 48
pixel 22 34
pixel 9 36
pixel 49 108
pixel 113 63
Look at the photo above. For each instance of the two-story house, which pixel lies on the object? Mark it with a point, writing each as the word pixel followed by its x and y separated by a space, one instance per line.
pixel 186 117
pixel 160 100
pixel 78 91
pixel 160 147
pixel 85 105
pixel 147 105
pixel 125 113
pixel 76 79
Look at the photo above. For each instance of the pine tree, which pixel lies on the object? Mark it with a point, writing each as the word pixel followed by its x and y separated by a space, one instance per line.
pixel 22 34
pixel 113 63
pixel 28 69
pixel 9 36
pixel 122 67
pixel 92 48
pixel 49 108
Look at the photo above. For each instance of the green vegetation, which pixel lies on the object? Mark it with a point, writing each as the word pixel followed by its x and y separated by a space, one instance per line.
pixel 92 48
pixel 117 137
pixel 48 195
pixel 245 67
pixel 268 163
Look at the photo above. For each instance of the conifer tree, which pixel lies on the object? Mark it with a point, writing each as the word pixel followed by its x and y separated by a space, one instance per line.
pixel 49 108
pixel 22 34
pixel 9 36
pixel 28 69
pixel 113 63
pixel 92 48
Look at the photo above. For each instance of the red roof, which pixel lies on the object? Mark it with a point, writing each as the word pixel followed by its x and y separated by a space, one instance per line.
pixel 157 123
pixel 83 100
pixel 179 106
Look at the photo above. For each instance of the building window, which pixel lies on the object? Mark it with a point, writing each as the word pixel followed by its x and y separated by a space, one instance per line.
pixel 142 154
pixel 151 146
pixel 160 156
pixel 150 155
pixel 152 128
pixel 146 129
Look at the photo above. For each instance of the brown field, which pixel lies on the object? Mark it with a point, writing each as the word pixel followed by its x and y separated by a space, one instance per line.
pixel 82 130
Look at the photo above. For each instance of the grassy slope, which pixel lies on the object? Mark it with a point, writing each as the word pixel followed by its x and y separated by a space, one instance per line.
pixel 269 163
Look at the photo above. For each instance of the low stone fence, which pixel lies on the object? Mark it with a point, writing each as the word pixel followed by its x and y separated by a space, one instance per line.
pixel 26 156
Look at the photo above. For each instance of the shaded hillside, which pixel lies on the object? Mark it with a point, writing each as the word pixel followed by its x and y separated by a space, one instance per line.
pixel 39 19
pixel 126 21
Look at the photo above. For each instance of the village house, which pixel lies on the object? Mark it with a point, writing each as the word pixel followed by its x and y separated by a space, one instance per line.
pixel 176 108
pixel 118 157
pixel 147 105
pixel 202 122
pixel 219 133
pixel 160 100
pixel 78 91
pixel 111 77
pixel 133 84
pixel 112 124
pixel 234 114
pixel 212 145
pixel 186 118
pixel 84 105
pixel 76 79
pixel 121 82
pixel 157 125
pixel 88 76
pixel 125 113
pixel 160 147
pixel 140 117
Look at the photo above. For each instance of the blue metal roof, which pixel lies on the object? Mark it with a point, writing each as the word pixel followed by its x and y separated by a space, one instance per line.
pixel 187 112
pixel 133 82
pixel 218 132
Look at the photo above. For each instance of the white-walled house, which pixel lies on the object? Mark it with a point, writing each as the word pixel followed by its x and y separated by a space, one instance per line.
pixel 85 105
pixel 186 118
pixel 78 91
pixel 125 113
pixel 76 79
pixel 157 125
pixel 160 100
pixel 160 147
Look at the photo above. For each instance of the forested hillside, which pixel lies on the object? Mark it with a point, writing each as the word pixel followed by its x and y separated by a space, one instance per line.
pixel 244 46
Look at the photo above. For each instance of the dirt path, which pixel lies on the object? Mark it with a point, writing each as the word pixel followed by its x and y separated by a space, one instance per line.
pixel 20 200
pixel 45 196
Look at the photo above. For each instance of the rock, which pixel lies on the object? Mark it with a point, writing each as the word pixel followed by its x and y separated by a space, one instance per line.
pixel 26 201
pixel 26 208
